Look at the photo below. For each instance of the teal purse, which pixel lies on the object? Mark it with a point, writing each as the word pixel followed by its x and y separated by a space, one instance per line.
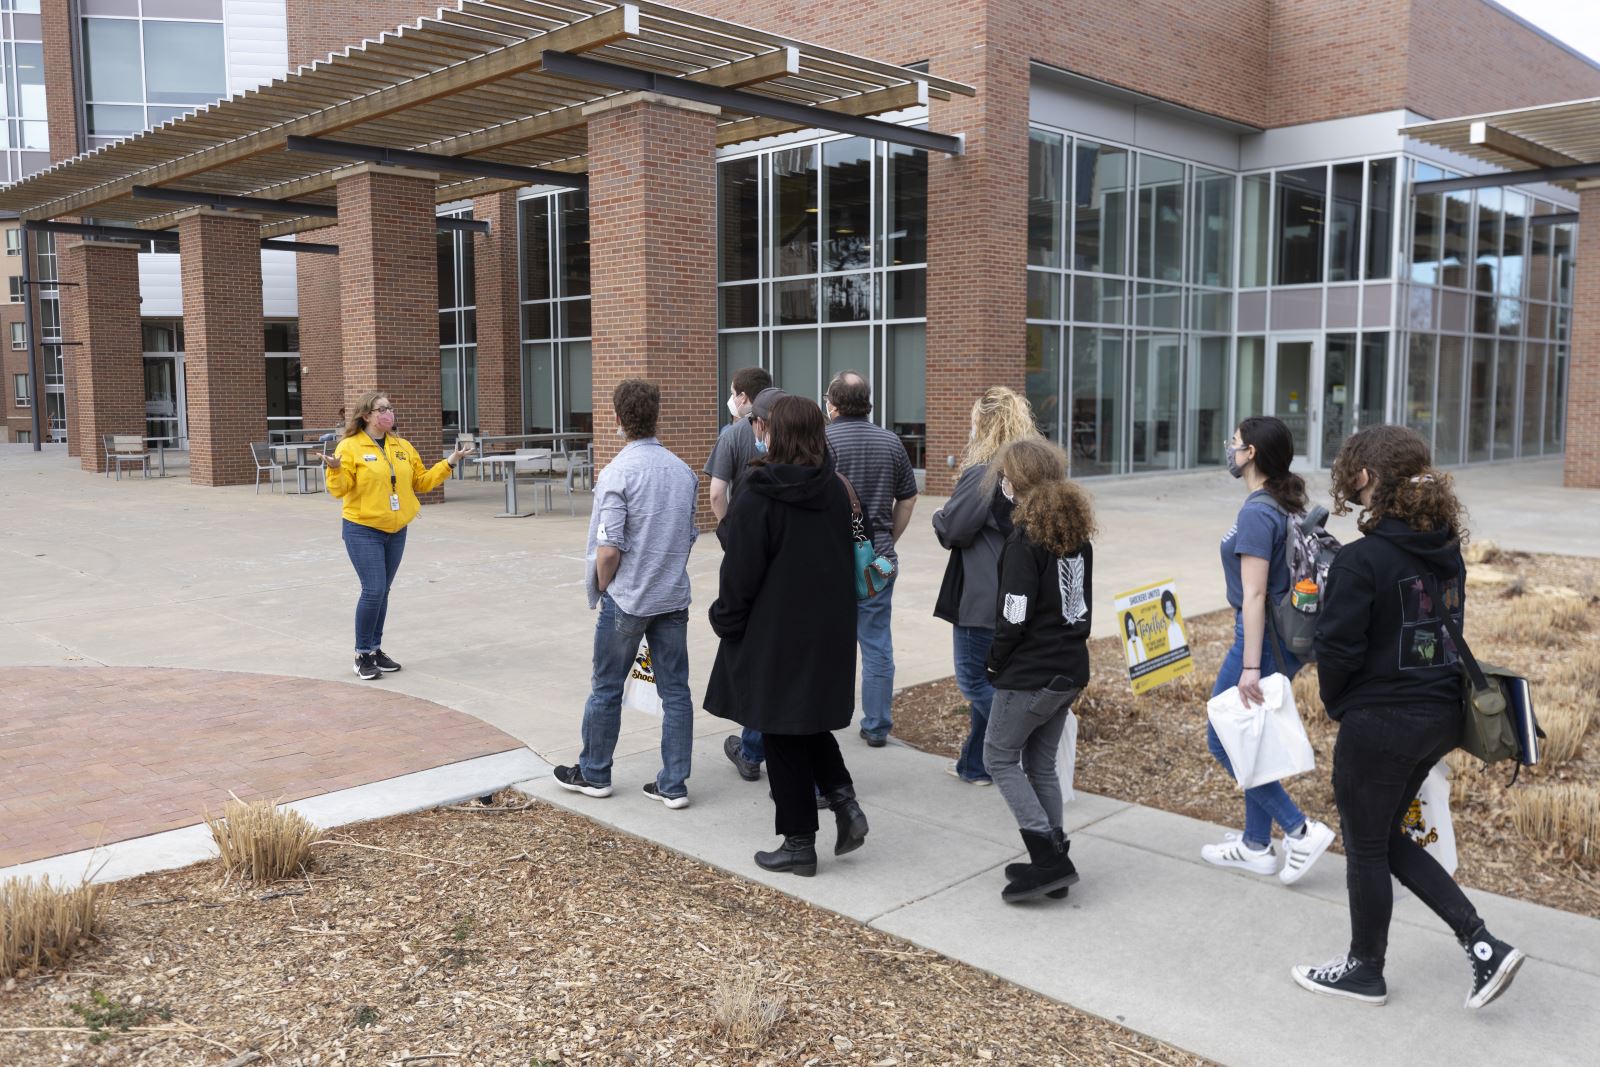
pixel 872 571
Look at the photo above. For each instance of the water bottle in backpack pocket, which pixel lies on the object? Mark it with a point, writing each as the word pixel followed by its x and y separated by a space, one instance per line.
pixel 1308 550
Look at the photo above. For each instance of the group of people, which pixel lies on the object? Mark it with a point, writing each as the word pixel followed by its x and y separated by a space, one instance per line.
pixel 794 488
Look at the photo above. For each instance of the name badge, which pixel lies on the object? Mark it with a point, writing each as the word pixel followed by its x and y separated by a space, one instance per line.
pixel 370 457
pixel 394 501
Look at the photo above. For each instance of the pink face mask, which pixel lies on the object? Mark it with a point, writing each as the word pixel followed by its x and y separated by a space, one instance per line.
pixel 381 421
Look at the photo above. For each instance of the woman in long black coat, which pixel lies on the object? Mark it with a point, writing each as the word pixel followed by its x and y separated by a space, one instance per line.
pixel 786 614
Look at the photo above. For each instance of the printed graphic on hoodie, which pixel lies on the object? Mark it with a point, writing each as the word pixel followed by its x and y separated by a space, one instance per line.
pixel 1069 576
pixel 1424 641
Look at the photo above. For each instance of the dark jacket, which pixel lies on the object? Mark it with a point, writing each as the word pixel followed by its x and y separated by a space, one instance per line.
pixel 1041 616
pixel 973 524
pixel 1381 640
pixel 786 604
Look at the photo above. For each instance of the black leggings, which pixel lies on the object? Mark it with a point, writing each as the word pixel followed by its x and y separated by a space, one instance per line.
pixel 794 763
pixel 1379 762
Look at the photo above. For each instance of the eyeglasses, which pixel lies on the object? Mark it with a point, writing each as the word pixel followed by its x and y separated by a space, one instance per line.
pixel 386 407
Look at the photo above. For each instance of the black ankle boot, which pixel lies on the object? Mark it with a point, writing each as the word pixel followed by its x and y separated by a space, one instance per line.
pixel 797 855
pixel 1017 870
pixel 1050 871
pixel 852 821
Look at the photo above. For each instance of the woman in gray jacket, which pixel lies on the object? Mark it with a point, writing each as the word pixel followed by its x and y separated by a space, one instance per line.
pixel 974 525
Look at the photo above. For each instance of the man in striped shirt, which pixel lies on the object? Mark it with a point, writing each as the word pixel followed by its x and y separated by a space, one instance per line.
pixel 875 461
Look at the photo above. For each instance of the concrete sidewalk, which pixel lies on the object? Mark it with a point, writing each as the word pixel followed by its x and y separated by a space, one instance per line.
pixel 488 616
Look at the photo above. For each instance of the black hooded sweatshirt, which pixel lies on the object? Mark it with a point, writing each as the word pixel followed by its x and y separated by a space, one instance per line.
pixel 786 604
pixel 1381 640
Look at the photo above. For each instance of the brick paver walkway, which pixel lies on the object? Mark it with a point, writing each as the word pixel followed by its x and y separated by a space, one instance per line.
pixel 91 755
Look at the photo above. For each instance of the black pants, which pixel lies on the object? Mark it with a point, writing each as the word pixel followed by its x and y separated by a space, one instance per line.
pixel 794 763
pixel 1379 762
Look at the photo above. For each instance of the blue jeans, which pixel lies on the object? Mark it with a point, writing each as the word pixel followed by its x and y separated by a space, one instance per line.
pixel 1263 804
pixel 877 661
pixel 751 745
pixel 971 653
pixel 616 643
pixel 376 557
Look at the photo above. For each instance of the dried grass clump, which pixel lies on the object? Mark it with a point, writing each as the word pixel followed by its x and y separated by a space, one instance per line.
pixel 1461 766
pixel 41 924
pixel 1566 816
pixel 1580 670
pixel 260 842
pixel 1566 721
pixel 1308 694
pixel 743 1011
pixel 1481 552
pixel 1545 615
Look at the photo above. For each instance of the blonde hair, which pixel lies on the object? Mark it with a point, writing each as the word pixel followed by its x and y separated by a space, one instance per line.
pixel 354 424
pixel 1053 511
pixel 1002 416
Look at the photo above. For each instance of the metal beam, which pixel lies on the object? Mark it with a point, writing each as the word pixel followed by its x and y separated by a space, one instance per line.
pixel 449 225
pixel 1519 148
pixel 28 297
pixel 270 245
pixel 227 202
pixel 1509 177
pixel 1557 219
pixel 161 237
pixel 582 68
pixel 401 157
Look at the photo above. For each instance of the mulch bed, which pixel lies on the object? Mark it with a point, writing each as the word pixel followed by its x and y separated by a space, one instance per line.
pixel 1533 612
pixel 527 937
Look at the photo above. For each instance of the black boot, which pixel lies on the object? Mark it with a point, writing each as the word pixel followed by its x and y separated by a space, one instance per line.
pixel 852 821
pixel 1051 869
pixel 797 855
pixel 1017 870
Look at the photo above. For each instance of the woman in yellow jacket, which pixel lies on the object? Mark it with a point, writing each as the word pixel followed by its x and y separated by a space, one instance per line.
pixel 378 475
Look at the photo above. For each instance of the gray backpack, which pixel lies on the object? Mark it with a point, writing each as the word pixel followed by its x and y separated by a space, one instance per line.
pixel 1308 549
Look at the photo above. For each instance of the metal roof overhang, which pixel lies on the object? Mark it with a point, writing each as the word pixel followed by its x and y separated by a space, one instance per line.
pixel 469 81
pixel 1555 143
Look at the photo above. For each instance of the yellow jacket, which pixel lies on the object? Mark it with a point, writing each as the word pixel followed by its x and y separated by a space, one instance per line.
pixel 362 480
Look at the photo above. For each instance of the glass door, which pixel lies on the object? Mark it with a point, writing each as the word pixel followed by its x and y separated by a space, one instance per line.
pixel 164 415
pixel 1294 372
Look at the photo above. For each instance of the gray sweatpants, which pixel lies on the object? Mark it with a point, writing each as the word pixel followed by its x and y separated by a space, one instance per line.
pixel 1020 749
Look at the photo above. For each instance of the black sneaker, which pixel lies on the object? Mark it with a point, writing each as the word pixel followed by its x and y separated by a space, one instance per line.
pixel 385 664
pixel 1494 964
pixel 367 666
pixel 733 748
pixel 572 780
pixel 1343 977
pixel 654 793
pixel 874 740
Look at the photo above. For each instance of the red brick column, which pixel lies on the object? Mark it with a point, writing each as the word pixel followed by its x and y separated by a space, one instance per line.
pixel 652 232
pixel 100 312
pixel 389 296
pixel 321 347
pixel 499 315
pixel 1583 366
pixel 977 247
pixel 225 374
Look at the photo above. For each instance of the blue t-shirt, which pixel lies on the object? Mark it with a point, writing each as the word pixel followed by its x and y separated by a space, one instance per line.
pixel 1258 531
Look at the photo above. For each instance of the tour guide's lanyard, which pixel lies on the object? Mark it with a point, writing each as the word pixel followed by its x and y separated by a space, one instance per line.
pixel 394 488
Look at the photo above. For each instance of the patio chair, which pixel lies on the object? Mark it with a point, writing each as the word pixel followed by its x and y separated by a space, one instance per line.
pixel 537 461
pixel 261 452
pixel 580 465
pixel 305 471
pixel 126 450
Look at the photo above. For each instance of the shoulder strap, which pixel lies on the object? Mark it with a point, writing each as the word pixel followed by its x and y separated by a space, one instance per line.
pixel 855 501
pixel 1431 584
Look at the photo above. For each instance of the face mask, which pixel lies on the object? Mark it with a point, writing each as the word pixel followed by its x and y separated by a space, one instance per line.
pixel 1005 490
pixel 1233 463
pixel 733 406
pixel 761 446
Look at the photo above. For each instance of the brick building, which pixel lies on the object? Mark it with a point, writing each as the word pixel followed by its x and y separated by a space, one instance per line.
pixel 1166 215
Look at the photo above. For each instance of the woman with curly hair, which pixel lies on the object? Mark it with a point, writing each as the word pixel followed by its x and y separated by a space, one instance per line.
pixel 974 525
pixel 1391 679
pixel 1039 660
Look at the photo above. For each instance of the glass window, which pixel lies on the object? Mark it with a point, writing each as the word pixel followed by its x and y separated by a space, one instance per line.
pixel 15 285
pixel 1159 305
pixel 14 241
pixel 846 348
pixel 534 225
pixel 1301 209
pixel 1425 225
pixel 1487 258
pixel 1253 250
pixel 1513 242
pixel 1250 380
pixel 1457 248
pixel 907 387
pixel 1506 378
pixel 1419 383
pixel 1208 400
pixel 906 225
pixel 1380 216
pixel 1344 232
pixel 906 294
pixel 1044 198
pixel 847 298
pixel 847 199
pixel 1155 394
pixel 1044 294
pixel 736 351
pixel 739 306
pixel 738 197
pixel 1533 375
pixel 1042 377
pixel 1160 237
pixel 1097 403
pixel 794 216
pixel 1540 262
pixel 1371 410
pixel 19 389
pixel 538 389
pixel 794 359
pixel 1452 382
pixel 19 335
pixel 577 386
pixel 1099 299
pixel 183 63
pixel 1212 235
pixel 1564 248
pixel 794 303
pixel 111 61
pixel 1480 400
pixel 1555 405
pixel 113 121
pixel 445 262
pixel 1100 199
pixel 573 247
pixel 1338 379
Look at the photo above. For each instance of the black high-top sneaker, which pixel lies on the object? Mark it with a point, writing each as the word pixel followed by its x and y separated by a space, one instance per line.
pixel 1344 977
pixel 367 666
pixel 1494 964
pixel 385 664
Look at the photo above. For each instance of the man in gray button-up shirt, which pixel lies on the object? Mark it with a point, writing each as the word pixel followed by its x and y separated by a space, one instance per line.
pixel 640 535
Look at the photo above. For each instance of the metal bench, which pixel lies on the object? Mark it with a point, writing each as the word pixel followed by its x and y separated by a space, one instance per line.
pixel 125 450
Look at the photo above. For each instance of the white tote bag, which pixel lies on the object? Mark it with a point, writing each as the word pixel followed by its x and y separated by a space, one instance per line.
pixel 1067 757
pixel 1428 820
pixel 1266 742
pixel 639 691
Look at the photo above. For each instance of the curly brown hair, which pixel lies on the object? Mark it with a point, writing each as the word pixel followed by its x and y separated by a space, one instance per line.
pixel 637 403
pixel 1405 484
pixel 1054 512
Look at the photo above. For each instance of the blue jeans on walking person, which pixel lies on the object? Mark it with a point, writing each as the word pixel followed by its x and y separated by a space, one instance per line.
pixel 1263 804
pixel 376 557
pixel 971 654
pixel 616 644
pixel 751 746
pixel 877 661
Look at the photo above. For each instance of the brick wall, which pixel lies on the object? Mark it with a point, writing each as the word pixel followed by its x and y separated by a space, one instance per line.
pixel 321 363
pixel 389 297
pixel 224 369
pixel 1466 58
pixel 13 363
pixel 1583 369
pixel 652 209
pixel 318 27
pixel 100 312
pixel 1331 58
pixel 60 93
pixel 499 315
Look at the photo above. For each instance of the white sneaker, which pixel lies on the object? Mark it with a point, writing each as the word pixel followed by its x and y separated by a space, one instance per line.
pixel 1234 853
pixel 1299 853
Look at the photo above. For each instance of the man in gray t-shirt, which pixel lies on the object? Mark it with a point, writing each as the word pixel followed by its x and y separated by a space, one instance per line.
pixel 736 445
